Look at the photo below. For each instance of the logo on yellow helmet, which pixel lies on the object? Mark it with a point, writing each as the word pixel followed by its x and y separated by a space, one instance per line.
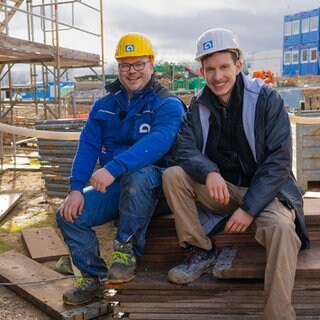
pixel 129 48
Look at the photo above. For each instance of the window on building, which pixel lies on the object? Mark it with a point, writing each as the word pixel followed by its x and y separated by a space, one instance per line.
pixel 305 25
pixel 313 54
pixel 304 55
pixel 287 28
pixel 295 27
pixel 295 56
pixel 286 58
pixel 314 22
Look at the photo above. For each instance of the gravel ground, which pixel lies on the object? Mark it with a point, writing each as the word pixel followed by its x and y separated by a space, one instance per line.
pixel 14 307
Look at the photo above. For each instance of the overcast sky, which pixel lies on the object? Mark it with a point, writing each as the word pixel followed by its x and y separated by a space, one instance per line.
pixel 174 25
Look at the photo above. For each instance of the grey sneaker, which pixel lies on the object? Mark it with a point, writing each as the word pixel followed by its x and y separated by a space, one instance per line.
pixel 199 261
pixel 124 263
pixel 85 289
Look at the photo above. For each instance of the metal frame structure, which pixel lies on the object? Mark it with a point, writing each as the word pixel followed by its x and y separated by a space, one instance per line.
pixel 48 56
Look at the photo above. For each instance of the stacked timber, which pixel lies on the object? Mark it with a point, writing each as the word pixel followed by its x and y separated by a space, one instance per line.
pixel 56 156
pixel 232 290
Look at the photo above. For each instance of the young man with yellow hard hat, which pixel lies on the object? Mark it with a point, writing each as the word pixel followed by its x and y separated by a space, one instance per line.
pixel 130 132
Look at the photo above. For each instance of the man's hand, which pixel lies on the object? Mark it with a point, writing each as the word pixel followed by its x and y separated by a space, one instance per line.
pixel 101 179
pixel 238 222
pixel 72 206
pixel 217 188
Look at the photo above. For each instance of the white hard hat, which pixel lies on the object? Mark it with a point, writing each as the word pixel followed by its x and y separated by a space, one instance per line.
pixel 214 40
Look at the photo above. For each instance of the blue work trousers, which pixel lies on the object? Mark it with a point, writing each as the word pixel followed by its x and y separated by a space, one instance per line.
pixel 132 199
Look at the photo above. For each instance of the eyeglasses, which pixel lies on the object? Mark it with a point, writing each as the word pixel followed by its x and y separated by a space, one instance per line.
pixel 138 66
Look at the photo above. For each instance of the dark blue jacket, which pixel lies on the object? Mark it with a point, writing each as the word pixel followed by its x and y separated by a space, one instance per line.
pixel 267 129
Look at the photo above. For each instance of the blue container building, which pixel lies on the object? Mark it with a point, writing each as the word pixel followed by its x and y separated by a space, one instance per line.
pixel 301 44
pixel 48 92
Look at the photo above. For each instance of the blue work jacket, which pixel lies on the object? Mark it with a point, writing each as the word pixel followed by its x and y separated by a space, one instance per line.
pixel 127 134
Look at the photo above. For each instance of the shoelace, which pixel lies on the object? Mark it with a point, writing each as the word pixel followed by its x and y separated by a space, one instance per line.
pixel 81 281
pixel 120 256
pixel 195 253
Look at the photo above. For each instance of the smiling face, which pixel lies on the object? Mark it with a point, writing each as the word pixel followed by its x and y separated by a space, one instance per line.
pixel 220 71
pixel 134 73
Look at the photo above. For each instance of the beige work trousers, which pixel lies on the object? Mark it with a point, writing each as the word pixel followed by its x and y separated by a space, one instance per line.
pixel 274 229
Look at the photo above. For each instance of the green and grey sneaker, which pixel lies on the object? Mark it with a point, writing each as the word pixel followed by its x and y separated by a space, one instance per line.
pixel 85 289
pixel 199 261
pixel 123 264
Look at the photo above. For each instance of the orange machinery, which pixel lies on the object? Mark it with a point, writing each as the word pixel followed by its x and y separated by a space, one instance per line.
pixel 265 75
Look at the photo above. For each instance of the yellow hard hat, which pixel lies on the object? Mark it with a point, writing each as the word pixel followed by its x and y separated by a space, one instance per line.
pixel 134 45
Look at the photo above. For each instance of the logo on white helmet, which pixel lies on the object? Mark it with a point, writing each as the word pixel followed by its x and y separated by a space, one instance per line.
pixel 129 48
pixel 144 128
pixel 207 45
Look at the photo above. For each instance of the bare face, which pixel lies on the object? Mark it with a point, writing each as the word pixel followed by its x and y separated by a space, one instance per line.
pixel 220 71
pixel 134 73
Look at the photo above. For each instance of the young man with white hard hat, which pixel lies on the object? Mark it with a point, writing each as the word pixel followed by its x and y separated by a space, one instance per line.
pixel 233 156
pixel 129 131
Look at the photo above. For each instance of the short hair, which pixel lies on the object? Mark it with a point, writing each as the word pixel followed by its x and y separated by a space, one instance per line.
pixel 235 55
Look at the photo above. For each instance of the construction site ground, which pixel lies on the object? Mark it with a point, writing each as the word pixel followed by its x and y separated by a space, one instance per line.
pixel 34 209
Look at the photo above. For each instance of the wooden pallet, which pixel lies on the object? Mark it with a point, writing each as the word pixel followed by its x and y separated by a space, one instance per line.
pixel 236 294
pixel 44 287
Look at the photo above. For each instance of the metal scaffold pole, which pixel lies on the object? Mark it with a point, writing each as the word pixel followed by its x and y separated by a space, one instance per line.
pixel 57 51
pixel 46 59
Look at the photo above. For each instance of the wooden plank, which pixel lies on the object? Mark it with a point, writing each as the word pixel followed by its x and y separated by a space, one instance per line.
pixel 171 239
pixel 157 258
pixel 44 287
pixel 24 51
pixel 55 151
pixel 44 244
pixel 312 194
pixel 58 187
pixel 43 144
pixel 187 306
pixel 154 277
pixel 165 249
pixel 233 262
pixel 299 296
pixel 162 243
pixel 194 316
pixel 7 201
pixel 151 296
pixel 56 160
pixel 314 236
pixel 311 208
pixel 53 193
pixel 225 309
pixel 124 295
pixel 230 304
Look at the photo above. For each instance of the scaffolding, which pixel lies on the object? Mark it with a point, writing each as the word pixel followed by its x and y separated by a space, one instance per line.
pixel 41 53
